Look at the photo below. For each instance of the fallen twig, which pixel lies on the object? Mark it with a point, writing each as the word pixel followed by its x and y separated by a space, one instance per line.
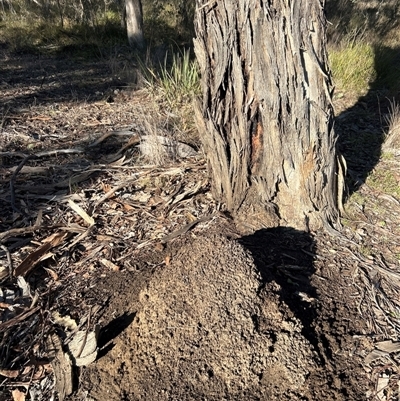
pixel 185 229
pixel 112 191
pixel 57 152
pixel 15 231
pixel 17 319
pixel 12 182
pixel 112 133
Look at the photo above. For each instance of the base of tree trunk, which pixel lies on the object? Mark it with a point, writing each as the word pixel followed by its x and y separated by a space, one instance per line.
pixel 266 116
pixel 254 215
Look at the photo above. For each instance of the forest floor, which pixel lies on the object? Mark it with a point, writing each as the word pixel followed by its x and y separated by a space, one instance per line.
pixel 134 285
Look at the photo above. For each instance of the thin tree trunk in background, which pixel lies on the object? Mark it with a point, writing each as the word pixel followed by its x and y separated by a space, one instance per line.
pixel 266 118
pixel 134 23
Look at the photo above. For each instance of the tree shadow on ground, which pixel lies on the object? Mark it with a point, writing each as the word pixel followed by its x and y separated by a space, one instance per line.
pixel 362 128
pixel 75 74
pixel 285 256
pixel 35 80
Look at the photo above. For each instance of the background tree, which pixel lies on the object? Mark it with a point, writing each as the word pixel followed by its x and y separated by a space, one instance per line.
pixel 266 117
pixel 134 23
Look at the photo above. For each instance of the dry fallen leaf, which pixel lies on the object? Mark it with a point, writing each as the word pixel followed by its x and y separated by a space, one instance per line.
pixel 24 286
pixel 61 364
pixel 105 187
pixel 11 374
pixel 110 265
pixel 55 239
pixel 374 355
pixel 3 272
pixel 382 384
pixel 388 346
pixel 76 208
pixel 35 257
pixel 159 247
pixel 128 207
pixel 52 273
pixel 39 371
pixel 18 395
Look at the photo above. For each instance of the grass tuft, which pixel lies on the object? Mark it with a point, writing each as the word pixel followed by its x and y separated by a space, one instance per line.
pixel 175 84
pixel 391 143
pixel 353 67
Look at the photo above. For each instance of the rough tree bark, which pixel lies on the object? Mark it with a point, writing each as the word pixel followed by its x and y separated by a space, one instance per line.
pixel 134 23
pixel 266 117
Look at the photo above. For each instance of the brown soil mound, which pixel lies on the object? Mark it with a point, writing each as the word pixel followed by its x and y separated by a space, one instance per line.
pixel 197 335
pixel 207 328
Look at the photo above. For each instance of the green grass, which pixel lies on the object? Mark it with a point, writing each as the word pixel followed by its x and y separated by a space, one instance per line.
pixel 359 66
pixel 180 81
pixel 384 181
pixel 353 67
pixel 168 22
pixel 175 83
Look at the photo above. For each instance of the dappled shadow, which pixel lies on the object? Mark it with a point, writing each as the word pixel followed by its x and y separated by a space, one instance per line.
pixel 286 256
pixel 362 128
pixel 31 80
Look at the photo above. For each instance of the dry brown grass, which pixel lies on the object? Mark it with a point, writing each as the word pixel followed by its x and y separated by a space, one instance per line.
pixel 392 140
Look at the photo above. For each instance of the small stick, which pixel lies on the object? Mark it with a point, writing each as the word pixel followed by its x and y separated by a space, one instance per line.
pixel 185 229
pixel 59 152
pixel 12 182
pixel 86 334
pixel 15 231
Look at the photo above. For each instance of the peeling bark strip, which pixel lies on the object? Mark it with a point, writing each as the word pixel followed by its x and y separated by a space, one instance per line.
pixel 266 117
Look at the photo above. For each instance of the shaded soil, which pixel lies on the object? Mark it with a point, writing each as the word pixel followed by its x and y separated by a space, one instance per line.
pixel 212 314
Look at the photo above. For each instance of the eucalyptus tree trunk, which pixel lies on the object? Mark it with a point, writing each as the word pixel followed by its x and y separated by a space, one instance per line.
pixel 134 23
pixel 266 117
